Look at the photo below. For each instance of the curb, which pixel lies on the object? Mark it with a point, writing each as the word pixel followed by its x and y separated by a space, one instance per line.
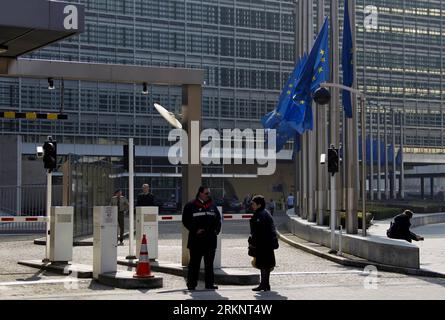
pixel 125 280
pixel 361 264
pixel 223 276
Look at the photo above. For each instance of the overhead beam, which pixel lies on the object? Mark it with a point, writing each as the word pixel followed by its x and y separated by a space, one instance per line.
pixel 114 73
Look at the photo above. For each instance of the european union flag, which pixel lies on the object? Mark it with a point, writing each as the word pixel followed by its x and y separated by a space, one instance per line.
pixel 273 118
pixel 293 115
pixel 315 68
pixel 321 68
pixel 347 62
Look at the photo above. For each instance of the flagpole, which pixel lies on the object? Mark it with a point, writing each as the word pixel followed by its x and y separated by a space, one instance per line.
pixel 379 195
pixel 386 156
pixel 350 150
pixel 304 145
pixel 297 158
pixel 322 181
pixel 371 154
pixel 402 166
pixel 394 166
pixel 334 136
pixel 311 135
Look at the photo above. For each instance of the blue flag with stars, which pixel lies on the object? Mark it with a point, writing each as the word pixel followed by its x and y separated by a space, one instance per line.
pixel 347 62
pixel 293 115
pixel 315 72
pixel 273 118
pixel 321 67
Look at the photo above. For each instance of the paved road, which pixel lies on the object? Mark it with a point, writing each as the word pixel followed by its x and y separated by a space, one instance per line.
pixel 298 275
pixel 432 250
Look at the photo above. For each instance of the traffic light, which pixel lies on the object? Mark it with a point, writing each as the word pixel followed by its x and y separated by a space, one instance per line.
pixel 50 155
pixel 333 160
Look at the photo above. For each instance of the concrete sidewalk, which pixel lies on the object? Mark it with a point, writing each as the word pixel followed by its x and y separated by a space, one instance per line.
pixel 432 250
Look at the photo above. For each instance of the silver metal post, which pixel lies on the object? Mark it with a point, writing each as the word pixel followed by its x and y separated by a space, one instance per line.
pixel 311 137
pixel 386 159
pixel 402 165
pixel 363 110
pixel 131 253
pixel 371 155
pixel 334 122
pixel 379 194
pixel 394 165
pixel 298 183
pixel 48 212
pixel 339 241
pixel 333 217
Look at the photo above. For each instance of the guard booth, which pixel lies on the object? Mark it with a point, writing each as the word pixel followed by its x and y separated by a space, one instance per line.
pixel 147 223
pixel 61 234
pixel 105 240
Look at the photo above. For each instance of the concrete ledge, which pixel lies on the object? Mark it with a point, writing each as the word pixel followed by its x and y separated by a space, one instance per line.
pixel 223 276
pixel 419 220
pixel 356 262
pixel 397 253
pixel 125 280
pixel 81 271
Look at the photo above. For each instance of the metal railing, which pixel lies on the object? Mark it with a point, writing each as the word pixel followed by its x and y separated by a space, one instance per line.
pixel 26 200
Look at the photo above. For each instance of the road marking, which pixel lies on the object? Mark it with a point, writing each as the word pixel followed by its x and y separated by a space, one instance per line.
pixel 22 283
pixel 316 272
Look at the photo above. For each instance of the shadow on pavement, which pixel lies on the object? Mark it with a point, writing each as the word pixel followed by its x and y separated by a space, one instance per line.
pixel 269 295
pixel 206 295
pixel 94 285
pixel 35 277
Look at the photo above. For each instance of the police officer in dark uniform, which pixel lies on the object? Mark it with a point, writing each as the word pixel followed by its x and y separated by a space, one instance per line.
pixel 203 221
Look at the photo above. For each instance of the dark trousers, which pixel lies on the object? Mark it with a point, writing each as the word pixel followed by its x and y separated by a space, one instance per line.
pixel 120 220
pixel 265 275
pixel 195 264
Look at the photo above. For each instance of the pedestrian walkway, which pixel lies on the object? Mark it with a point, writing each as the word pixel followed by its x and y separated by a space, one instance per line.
pixel 432 250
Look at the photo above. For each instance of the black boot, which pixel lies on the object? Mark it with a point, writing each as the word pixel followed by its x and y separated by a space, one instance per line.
pixel 264 284
pixel 266 277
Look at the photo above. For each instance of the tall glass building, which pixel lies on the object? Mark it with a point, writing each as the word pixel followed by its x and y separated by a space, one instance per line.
pixel 246 48
pixel 400 64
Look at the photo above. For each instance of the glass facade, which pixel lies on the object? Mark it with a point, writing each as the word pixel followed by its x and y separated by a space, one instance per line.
pixel 400 65
pixel 246 48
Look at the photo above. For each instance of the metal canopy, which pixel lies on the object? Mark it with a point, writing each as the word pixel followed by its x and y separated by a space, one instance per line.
pixel 114 73
pixel 27 25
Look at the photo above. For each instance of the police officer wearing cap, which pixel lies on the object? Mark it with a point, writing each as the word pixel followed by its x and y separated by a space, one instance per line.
pixel 203 221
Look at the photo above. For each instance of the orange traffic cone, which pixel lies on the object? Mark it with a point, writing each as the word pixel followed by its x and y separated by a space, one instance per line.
pixel 143 269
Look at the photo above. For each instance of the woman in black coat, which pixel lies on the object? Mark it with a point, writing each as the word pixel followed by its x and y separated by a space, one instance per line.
pixel 263 241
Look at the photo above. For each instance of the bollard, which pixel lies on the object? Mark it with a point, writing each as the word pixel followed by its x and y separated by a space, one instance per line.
pixel 147 223
pixel 61 235
pixel 104 240
pixel 339 241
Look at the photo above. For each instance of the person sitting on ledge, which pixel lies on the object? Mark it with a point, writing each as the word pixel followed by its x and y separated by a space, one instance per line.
pixel 399 229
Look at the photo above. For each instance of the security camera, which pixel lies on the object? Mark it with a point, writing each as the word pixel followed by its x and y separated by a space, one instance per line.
pixel 39 151
pixel 323 158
